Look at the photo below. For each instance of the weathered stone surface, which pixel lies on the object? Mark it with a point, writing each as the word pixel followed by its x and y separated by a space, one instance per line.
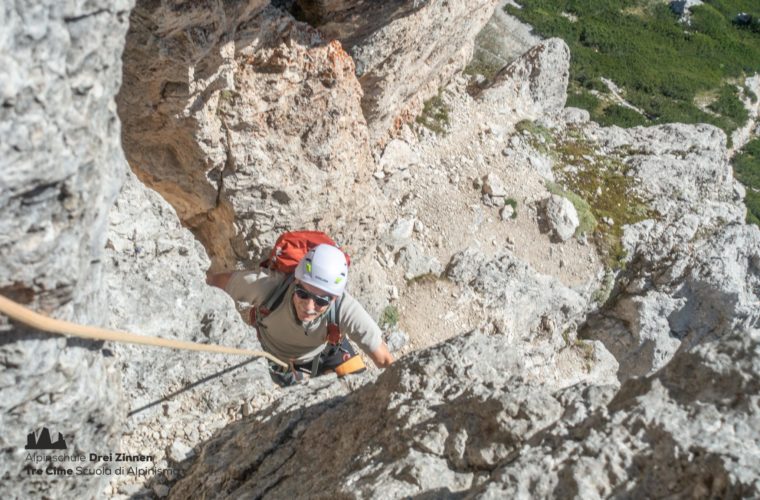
pixel 493 185
pixel 533 85
pixel 439 419
pixel 60 169
pixel 248 122
pixel 397 155
pixel 395 339
pixel 535 313
pixel 416 263
pixel 695 271
pixel 688 431
pixel 561 216
pixel 461 417
pixel 404 49
pixel 154 275
pixel 575 115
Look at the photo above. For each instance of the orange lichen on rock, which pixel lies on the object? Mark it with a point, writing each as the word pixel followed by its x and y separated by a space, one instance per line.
pixel 339 58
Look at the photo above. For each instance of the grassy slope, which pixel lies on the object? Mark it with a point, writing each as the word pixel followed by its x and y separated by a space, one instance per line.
pixel 672 72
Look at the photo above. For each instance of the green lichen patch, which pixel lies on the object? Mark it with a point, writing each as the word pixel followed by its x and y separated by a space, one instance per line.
pixel 435 115
pixel 389 318
pixel 539 137
pixel 598 185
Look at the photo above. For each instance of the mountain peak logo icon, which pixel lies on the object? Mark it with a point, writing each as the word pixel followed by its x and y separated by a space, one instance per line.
pixel 40 440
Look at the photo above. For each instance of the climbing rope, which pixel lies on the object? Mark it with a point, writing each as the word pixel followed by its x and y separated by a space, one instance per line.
pixel 24 315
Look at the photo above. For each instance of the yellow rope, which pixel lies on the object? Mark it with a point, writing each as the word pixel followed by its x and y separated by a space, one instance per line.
pixel 40 322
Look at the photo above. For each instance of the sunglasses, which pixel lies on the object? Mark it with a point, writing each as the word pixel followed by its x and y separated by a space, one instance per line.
pixel 319 300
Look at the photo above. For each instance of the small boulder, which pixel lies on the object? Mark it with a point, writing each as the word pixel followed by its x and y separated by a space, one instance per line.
pixel 179 451
pixel 397 155
pixel 493 186
pixel 395 339
pixel 561 216
pixel 416 264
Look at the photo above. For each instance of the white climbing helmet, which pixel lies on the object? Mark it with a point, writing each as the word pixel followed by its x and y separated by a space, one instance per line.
pixel 324 267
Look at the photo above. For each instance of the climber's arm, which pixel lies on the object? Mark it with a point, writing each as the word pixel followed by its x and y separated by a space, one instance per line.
pixel 381 356
pixel 218 280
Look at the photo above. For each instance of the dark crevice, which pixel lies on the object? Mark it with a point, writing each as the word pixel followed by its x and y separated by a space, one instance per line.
pixel 274 485
pixel 274 447
pixel 74 19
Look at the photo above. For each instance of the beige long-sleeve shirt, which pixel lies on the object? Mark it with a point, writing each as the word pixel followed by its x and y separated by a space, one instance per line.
pixel 284 335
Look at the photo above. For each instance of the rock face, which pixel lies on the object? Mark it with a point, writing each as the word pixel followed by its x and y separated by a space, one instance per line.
pixel 693 273
pixel 250 122
pixel 404 49
pixel 439 420
pixel 678 417
pixel 60 168
pixel 461 418
pixel 535 313
pixel 533 85
pixel 250 126
pixel 154 275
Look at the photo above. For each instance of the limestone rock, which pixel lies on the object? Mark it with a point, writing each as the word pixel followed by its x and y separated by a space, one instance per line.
pixel 404 50
pixel 416 264
pixel 472 383
pixel 179 451
pixel 252 127
pixel 694 271
pixel 574 116
pixel 461 417
pixel 561 216
pixel 395 339
pixel 397 155
pixel 534 314
pixel 683 7
pixel 493 185
pixel 401 232
pixel 155 285
pixel 678 416
pixel 161 490
pixel 60 168
pixel 533 85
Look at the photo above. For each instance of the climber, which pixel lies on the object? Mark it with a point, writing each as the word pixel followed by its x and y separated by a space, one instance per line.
pixel 294 313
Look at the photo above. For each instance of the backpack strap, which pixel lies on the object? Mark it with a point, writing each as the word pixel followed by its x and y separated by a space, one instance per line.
pixel 272 302
pixel 334 335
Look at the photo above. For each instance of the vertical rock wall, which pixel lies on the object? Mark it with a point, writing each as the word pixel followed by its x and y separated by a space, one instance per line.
pixel 248 122
pixel 404 50
pixel 60 168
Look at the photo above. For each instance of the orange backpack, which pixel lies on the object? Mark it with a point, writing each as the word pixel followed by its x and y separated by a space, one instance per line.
pixel 287 252
pixel 292 246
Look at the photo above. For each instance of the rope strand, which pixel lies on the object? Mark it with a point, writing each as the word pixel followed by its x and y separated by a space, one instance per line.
pixel 50 325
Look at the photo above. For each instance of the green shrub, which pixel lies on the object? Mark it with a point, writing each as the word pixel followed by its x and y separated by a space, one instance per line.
pixel 583 100
pixel 389 318
pixel 435 115
pixel 621 116
pixel 747 170
pixel 729 105
pixel 660 63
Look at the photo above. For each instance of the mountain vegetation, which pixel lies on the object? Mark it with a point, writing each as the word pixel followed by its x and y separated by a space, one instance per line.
pixel 668 68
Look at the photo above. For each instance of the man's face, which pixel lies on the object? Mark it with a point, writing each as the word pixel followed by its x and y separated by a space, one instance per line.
pixel 307 301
